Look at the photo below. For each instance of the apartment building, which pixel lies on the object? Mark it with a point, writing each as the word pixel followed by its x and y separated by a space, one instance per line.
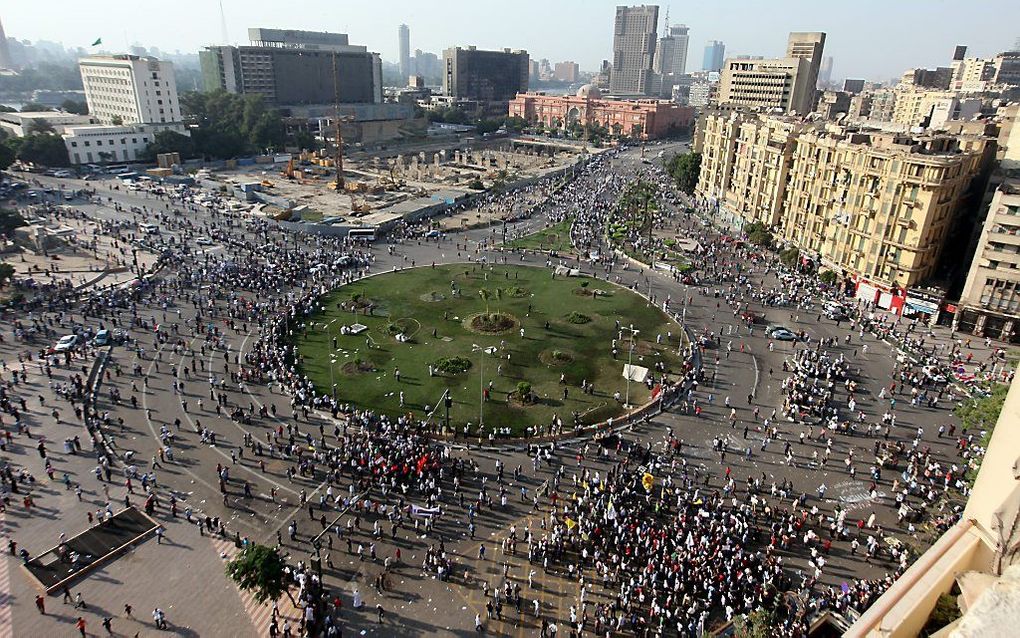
pixel 875 207
pixel 990 303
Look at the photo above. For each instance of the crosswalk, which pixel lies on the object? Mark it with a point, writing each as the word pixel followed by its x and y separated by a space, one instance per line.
pixel 6 625
pixel 260 614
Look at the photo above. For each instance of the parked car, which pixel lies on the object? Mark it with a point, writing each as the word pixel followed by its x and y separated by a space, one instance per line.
pixel 102 338
pixel 67 342
pixel 204 241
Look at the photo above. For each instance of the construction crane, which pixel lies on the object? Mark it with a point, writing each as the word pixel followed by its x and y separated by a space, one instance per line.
pixel 338 156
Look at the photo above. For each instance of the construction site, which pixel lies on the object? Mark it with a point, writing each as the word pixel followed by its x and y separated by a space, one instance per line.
pixel 380 190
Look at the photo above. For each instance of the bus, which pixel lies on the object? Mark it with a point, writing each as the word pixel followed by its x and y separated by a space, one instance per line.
pixel 361 234
pixel 117 169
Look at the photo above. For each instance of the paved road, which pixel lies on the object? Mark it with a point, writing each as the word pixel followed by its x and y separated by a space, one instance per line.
pixel 416 604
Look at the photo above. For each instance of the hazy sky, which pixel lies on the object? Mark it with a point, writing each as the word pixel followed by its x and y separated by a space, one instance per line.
pixel 875 39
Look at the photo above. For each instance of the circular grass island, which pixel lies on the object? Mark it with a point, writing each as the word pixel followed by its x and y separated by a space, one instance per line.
pixel 463 324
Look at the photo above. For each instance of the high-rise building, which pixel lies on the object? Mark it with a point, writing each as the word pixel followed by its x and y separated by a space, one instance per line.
pixel 130 89
pixel 295 68
pixel 486 76
pixel 807 45
pixel 715 56
pixel 404 38
pixel 825 72
pixel 427 65
pixel 566 71
pixel 1007 68
pixel 671 57
pixel 634 40
pixel 5 51
pixel 851 85
pixel 782 83
pixel 778 83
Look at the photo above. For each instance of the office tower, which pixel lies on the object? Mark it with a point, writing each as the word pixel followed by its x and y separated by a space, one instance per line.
pixel 131 89
pixel 807 45
pixel 486 76
pixel 715 55
pixel 5 51
pixel 825 71
pixel 853 85
pixel 404 36
pixel 295 67
pixel 634 39
pixel 671 57
pixel 781 83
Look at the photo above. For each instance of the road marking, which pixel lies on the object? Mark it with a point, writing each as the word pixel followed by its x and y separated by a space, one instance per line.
pixel 260 614
pixel 6 613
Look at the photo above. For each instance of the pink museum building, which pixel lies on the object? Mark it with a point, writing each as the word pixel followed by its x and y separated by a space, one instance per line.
pixel 649 118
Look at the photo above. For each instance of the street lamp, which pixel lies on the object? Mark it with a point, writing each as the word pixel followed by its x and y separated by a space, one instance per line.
pixel 332 381
pixel 481 380
pixel 630 359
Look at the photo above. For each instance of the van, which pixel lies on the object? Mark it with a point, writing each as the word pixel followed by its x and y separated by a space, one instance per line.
pixel 148 228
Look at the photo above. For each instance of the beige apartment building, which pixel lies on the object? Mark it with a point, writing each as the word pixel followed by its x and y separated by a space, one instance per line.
pixel 912 106
pixel 990 303
pixel 876 207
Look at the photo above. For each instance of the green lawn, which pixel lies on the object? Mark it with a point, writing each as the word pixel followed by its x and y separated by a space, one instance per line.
pixel 555 237
pixel 420 303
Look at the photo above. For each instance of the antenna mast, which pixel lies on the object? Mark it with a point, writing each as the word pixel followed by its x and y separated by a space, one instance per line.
pixel 223 25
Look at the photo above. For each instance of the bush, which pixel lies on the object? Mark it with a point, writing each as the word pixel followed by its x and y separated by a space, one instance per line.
pixel 578 318
pixel 452 365
pixel 524 391
pixel 515 291
pixel 828 277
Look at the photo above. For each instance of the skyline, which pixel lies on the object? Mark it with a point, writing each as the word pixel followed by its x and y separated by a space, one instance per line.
pixel 556 32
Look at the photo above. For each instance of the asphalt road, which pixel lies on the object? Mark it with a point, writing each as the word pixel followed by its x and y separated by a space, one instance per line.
pixel 418 604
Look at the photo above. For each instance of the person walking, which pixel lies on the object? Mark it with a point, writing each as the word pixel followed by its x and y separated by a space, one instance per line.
pixel 40 604
pixel 80 624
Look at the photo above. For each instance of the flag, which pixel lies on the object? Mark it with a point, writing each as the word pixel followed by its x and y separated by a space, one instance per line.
pixel 571 523
pixel 97 42
pixel 648 481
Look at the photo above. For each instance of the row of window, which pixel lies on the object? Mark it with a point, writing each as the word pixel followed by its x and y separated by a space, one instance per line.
pixel 123 141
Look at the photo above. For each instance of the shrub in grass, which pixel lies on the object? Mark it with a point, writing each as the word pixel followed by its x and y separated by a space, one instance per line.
pixel 579 318
pixel 452 365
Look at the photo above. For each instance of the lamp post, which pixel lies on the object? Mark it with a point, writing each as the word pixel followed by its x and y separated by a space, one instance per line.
pixel 332 381
pixel 630 359
pixel 481 381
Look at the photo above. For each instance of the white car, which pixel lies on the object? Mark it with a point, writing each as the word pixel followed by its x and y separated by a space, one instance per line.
pixel 67 342
pixel 204 241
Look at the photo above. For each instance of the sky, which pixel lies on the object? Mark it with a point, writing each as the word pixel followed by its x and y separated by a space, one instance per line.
pixel 873 39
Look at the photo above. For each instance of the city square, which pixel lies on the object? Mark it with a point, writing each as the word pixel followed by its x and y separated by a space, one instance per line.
pixel 633 352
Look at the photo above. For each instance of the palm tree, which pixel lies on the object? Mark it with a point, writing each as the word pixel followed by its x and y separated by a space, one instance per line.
pixel 484 293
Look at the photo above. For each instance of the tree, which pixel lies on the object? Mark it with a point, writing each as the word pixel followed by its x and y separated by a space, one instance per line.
pixel 828 277
pixel 305 141
pixel 9 220
pixel 41 125
pixel 524 391
pixel 47 150
pixel 684 169
pixel 789 256
pixel 117 120
pixel 638 203
pixel 74 106
pixel 34 107
pixel 7 109
pixel 758 233
pixel 6 272
pixel 259 569
pixel 170 142
pixel 7 155
pixel 485 294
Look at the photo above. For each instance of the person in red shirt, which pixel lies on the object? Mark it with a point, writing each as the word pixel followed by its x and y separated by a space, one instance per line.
pixel 40 603
pixel 81 626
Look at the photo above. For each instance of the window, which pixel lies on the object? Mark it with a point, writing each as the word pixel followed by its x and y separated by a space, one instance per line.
pixel 98 142
pixel 88 144
pixel 74 145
